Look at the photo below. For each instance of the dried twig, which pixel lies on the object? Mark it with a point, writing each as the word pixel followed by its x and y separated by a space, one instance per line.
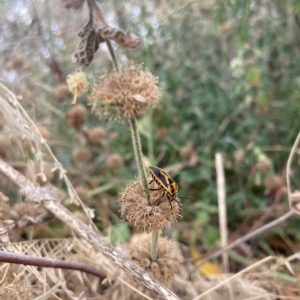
pixel 17 258
pixel 52 203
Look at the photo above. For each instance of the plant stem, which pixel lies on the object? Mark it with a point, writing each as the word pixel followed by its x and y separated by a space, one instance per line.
pixel 113 55
pixel 137 147
pixel 155 235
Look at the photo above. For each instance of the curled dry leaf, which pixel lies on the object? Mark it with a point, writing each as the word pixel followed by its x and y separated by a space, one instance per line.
pixel 88 45
pixel 96 31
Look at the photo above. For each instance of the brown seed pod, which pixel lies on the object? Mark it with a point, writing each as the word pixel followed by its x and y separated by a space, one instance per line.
pixel 143 215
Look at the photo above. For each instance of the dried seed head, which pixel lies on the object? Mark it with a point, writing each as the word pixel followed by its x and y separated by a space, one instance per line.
pixel 81 216
pixel 76 116
pixel 263 164
pixel 46 174
pixel 27 145
pixel 5 142
pixel 82 193
pixel 272 182
pixel 27 208
pixel 95 135
pixel 78 84
pixel 186 151
pixel 168 259
pixel 45 133
pixel 4 211
pixel 81 155
pixel 161 133
pixel 61 91
pixel 238 155
pixel 125 95
pixel 114 161
pixel 144 216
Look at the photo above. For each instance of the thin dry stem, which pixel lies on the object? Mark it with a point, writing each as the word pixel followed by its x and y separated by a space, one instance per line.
pixel 288 172
pixel 222 209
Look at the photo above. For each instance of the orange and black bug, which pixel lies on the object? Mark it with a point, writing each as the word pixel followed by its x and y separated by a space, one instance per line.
pixel 166 183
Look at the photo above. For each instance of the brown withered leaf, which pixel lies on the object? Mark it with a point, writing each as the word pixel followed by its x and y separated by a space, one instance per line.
pixel 124 39
pixel 88 45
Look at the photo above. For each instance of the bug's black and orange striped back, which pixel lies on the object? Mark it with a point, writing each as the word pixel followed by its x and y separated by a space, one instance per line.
pixel 163 179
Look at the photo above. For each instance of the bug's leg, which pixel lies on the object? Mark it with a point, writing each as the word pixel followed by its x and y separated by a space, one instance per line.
pixel 159 198
pixel 150 181
pixel 153 189
pixel 170 201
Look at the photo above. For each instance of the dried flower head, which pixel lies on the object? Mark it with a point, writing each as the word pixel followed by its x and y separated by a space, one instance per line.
pixel 114 161
pixel 61 91
pixel 76 115
pixel 127 94
pixel 27 208
pixel 5 142
pixel 81 155
pixel 82 193
pixel 45 133
pixel 272 182
pixel 143 215
pixel 78 84
pixel 95 135
pixel 4 211
pixel 186 151
pixel 161 133
pixel 168 259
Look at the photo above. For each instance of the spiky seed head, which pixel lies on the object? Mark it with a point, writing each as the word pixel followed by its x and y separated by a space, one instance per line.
pixel 45 133
pixel 168 261
pixel 76 115
pixel 61 91
pixel 125 94
pixel 272 182
pixel 95 135
pixel 143 215
pixel 82 193
pixel 114 161
pixel 81 155
pixel 186 151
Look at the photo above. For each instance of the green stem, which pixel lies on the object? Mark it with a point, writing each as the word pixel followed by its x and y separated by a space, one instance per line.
pixel 137 147
pixel 113 55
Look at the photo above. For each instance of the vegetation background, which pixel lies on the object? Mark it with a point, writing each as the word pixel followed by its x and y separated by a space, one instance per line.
pixel 229 71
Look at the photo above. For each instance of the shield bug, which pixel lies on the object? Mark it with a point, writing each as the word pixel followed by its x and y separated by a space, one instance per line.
pixel 166 183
